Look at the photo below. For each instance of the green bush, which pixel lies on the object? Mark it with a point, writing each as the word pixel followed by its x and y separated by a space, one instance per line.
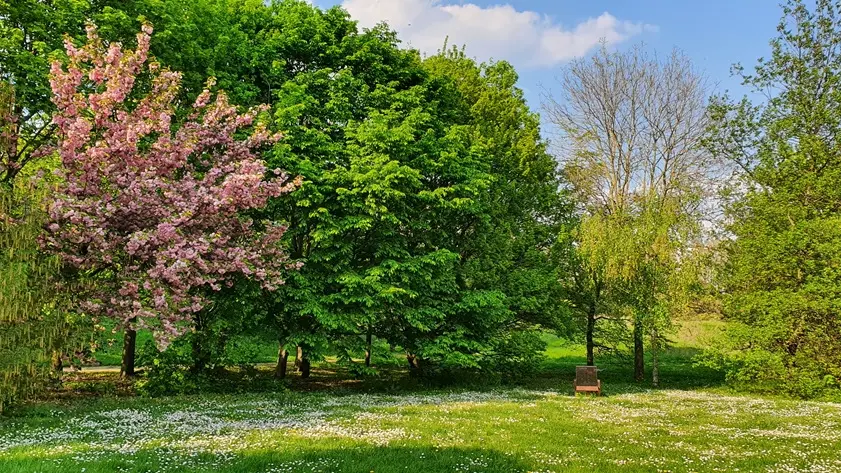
pixel 754 368
pixel 171 372
pixel 165 372
pixel 511 358
pixel 517 356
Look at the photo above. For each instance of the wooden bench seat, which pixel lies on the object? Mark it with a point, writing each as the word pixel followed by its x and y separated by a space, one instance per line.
pixel 587 380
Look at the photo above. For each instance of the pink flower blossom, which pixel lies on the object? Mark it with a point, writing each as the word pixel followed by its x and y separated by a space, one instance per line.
pixel 160 221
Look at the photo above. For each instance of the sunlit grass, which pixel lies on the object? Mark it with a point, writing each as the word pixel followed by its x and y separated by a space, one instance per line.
pixel 696 425
pixel 501 431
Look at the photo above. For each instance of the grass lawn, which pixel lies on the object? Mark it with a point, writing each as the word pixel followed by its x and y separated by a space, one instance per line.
pixel 499 431
pixel 694 425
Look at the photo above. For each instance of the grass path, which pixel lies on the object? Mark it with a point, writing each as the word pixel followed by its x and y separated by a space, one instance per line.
pixel 499 431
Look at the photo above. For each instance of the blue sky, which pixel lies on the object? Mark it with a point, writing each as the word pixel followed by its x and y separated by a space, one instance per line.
pixel 539 36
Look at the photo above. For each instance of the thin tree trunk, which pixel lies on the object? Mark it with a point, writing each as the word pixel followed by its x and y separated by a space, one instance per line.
pixel 299 356
pixel 201 357
pixel 639 351
pixel 655 365
pixel 305 367
pixel 282 359
pixel 591 325
pixel 655 357
pixel 368 347
pixel 414 362
pixel 201 348
pixel 129 350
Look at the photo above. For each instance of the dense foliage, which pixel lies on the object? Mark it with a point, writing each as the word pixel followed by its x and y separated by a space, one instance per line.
pixel 156 213
pixel 782 278
pixel 427 220
pixel 426 210
pixel 408 207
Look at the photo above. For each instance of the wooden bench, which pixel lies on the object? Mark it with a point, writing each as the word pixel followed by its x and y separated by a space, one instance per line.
pixel 587 380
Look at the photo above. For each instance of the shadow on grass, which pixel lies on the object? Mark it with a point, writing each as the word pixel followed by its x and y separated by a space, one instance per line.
pixel 352 459
pixel 557 374
pixel 677 371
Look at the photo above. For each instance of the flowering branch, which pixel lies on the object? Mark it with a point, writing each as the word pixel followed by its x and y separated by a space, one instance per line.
pixel 156 207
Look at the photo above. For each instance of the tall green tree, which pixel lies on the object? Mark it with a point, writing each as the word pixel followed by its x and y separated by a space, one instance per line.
pixel 506 247
pixel 649 259
pixel 421 218
pixel 525 203
pixel 330 108
pixel 782 281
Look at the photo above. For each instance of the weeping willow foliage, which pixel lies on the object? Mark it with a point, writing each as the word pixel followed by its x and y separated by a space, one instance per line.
pixel 648 255
pixel 31 326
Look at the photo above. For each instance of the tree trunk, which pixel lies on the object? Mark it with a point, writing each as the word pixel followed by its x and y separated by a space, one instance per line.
pixel 201 344
pixel 201 357
pixel 299 356
pixel 282 359
pixel 305 367
pixel 639 351
pixel 129 350
pixel 655 357
pixel 655 365
pixel 414 362
pixel 368 347
pixel 591 325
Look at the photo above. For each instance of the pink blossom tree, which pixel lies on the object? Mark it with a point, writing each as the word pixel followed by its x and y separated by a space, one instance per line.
pixel 154 211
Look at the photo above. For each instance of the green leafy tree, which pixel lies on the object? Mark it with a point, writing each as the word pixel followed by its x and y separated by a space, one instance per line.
pixel 649 258
pixel 418 217
pixel 376 259
pixel 327 99
pixel 524 206
pixel 505 247
pixel 782 281
pixel 30 36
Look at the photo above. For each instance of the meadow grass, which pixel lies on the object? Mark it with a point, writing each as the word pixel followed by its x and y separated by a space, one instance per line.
pixel 513 430
pixel 695 425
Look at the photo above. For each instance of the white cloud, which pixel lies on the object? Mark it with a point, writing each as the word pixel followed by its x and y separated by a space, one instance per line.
pixel 525 38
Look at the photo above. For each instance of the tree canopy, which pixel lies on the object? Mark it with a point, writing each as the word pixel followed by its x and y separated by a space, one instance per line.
pixel 427 204
pixel 781 277
pixel 272 171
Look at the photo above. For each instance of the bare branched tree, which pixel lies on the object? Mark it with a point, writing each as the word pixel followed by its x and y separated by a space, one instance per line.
pixel 631 127
pixel 631 124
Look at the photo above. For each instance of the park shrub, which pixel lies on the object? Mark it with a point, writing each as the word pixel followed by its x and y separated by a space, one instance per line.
pixel 757 369
pixel 173 372
pixel 516 356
